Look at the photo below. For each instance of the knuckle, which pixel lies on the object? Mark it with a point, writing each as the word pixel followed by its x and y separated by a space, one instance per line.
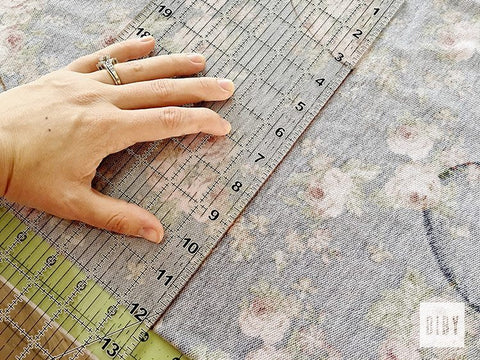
pixel 104 128
pixel 171 60
pixel 212 120
pixel 205 84
pixel 60 81
pixel 70 207
pixel 201 120
pixel 172 117
pixel 209 114
pixel 86 96
pixel 101 124
pixel 136 67
pixel 162 88
pixel 118 223
pixel 89 121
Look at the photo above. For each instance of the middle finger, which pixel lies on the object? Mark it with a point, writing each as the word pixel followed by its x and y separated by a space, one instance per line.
pixel 170 92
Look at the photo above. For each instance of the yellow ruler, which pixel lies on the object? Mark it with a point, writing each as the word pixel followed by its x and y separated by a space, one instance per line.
pixel 49 309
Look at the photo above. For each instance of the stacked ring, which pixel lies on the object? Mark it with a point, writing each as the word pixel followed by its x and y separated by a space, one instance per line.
pixel 107 63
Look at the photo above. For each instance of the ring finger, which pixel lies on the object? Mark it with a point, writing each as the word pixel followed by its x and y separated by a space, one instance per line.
pixel 157 67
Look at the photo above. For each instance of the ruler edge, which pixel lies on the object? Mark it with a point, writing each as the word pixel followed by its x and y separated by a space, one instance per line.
pixel 365 48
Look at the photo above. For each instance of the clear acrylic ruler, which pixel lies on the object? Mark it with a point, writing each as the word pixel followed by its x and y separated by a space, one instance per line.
pixel 286 58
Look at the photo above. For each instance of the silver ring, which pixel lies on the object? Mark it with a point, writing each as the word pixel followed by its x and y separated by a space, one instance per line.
pixel 106 63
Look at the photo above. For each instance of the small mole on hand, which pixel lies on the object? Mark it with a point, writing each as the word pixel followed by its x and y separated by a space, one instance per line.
pixel 46 117
pixel 49 130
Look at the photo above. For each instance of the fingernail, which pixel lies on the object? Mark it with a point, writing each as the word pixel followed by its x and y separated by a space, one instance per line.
pixel 227 125
pixel 146 38
pixel 226 84
pixel 150 234
pixel 196 58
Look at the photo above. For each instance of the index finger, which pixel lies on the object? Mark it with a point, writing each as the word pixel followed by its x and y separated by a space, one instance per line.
pixel 133 126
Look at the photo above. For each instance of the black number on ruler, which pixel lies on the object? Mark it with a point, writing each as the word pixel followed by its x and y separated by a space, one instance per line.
pixel 165 11
pixel 300 106
pixel 260 157
pixel 339 57
pixel 280 132
pixel 358 33
pixel 320 81
pixel 214 215
pixel 236 187
pixel 192 247
pixel 111 351
pixel 143 336
pixel 376 10
pixel 21 236
pixel 142 32
pixel 168 277
pixel 111 311
pixel 140 314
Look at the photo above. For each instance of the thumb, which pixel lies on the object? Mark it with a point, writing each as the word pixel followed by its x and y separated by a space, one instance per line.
pixel 119 216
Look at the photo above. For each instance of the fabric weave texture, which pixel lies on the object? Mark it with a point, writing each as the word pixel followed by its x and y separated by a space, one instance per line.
pixel 373 211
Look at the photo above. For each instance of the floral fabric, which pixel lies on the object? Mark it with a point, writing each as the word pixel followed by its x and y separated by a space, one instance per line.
pixel 375 210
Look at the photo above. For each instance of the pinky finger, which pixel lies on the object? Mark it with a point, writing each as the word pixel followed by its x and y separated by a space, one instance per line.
pixel 122 51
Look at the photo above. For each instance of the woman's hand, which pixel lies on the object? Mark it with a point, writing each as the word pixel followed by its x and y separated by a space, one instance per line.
pixel 55 131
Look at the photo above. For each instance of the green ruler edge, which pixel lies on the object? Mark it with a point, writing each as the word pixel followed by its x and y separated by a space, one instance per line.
pixel 48 279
